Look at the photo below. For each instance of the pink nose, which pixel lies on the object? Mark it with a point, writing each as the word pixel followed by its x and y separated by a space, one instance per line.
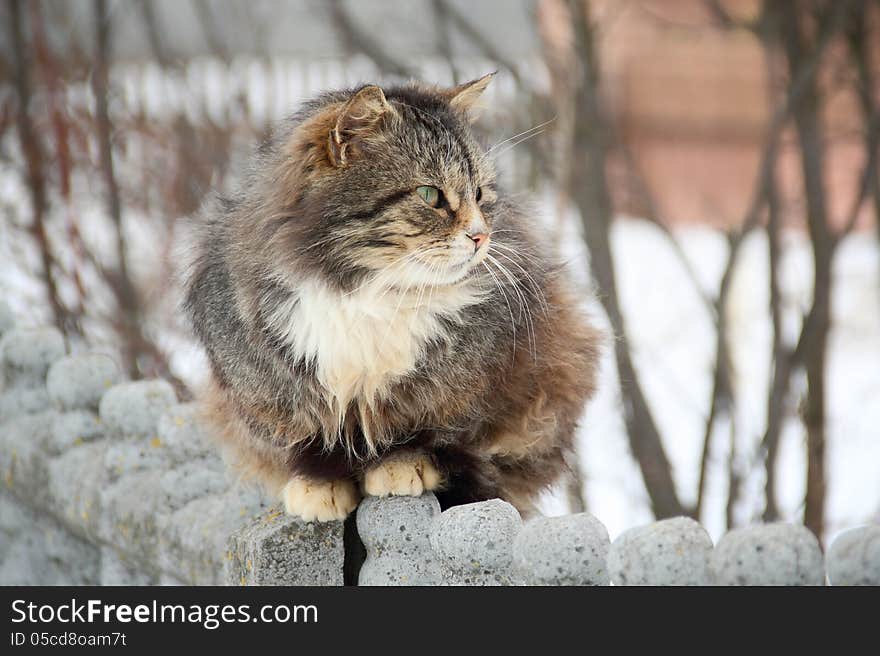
pixel 479 239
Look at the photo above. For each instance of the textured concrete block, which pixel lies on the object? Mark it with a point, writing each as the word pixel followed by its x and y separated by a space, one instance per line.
pixel 133 409
pixel 570 550
pixel 17 401
pixel 182 432
pixel 474 542
pixel 190 481
pixel 7 320
pixel 23 463
pixel 13 515
pixel 133 505
pixel 129 509
pixel 169 580
pixel 82 506
pixel 70 429
pixel 395 532
pixel 23 561
pixel 27 353
pixel 770 554
pixel 76 479
pixel 670 552
pixel 41 552
pixel 79 381
pixel 277 549
pixel 70 560
pixel 118 569
pixel 854 557
pixel 123 458
pixel 193 540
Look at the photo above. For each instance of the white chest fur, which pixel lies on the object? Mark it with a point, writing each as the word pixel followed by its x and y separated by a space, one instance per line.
pixel 362 341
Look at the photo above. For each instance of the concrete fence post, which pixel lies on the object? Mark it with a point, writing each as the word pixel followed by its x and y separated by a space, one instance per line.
pixel 570 550
pixel 26 354
pixel 673 551
pixel 769 554
pixel 395 532
pixel 474 543
pixel 277 549
pixel 854 557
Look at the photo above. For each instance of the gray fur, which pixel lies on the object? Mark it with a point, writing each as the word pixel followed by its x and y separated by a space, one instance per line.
pixel 297 217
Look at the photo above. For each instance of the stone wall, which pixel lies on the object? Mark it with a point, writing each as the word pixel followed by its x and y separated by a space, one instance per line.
pixel 111 482
pixel 410 542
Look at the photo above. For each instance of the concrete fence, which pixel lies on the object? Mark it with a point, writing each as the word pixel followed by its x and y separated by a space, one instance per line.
pixel 112 482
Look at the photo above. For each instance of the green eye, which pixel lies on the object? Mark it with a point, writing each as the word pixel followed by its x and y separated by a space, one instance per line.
pixel 431 195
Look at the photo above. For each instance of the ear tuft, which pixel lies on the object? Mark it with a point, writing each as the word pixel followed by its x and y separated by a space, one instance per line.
pixel 357 118
pixel 464 97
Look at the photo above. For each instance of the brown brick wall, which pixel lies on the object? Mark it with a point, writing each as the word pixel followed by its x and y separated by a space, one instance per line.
pixel 692 102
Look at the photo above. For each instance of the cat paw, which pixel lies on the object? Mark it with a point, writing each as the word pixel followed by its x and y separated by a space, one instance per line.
pixel 404 474
pixel 323 501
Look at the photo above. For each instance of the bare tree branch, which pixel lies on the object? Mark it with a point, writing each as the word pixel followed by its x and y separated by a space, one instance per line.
pixel 797 46
pixel 34 159
pixel 122 284
pixel 858 39
pixel 764 195
pixel 720 13
pixel 444 40
pixel 801 91
pixel 358 40
pixel 574 487
pixel 479 39
pixel 782 360
pixel 654 215
pixel 734 478
pixel 51 76
pixel 129 322
pixel 722 397
pixel 211 31
pixel 869 183
pixel 590 191
pixel 154 38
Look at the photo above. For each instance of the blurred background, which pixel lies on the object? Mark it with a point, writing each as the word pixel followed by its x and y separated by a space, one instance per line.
pixel 707 169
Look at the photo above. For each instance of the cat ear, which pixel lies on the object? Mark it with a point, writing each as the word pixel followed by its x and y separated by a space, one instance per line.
pixel 464 97
pixel 358 118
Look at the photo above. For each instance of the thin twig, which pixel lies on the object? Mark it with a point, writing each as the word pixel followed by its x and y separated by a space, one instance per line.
pixel 591 193
pixel 359 40
pixel 35 163
pixel 480 40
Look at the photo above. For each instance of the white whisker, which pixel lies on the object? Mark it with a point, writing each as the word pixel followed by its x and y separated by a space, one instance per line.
pixel 519 141
pixel 526 256
pixel 509 308
pixel 539 294
pixel 524 307
pixel 524 132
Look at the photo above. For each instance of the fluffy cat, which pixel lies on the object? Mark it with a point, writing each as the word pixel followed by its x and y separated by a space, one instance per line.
pixel 381 318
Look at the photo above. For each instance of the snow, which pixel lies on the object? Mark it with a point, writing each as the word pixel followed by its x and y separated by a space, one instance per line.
pixel 673 343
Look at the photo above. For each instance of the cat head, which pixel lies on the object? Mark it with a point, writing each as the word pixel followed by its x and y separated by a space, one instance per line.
pixel 385 182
